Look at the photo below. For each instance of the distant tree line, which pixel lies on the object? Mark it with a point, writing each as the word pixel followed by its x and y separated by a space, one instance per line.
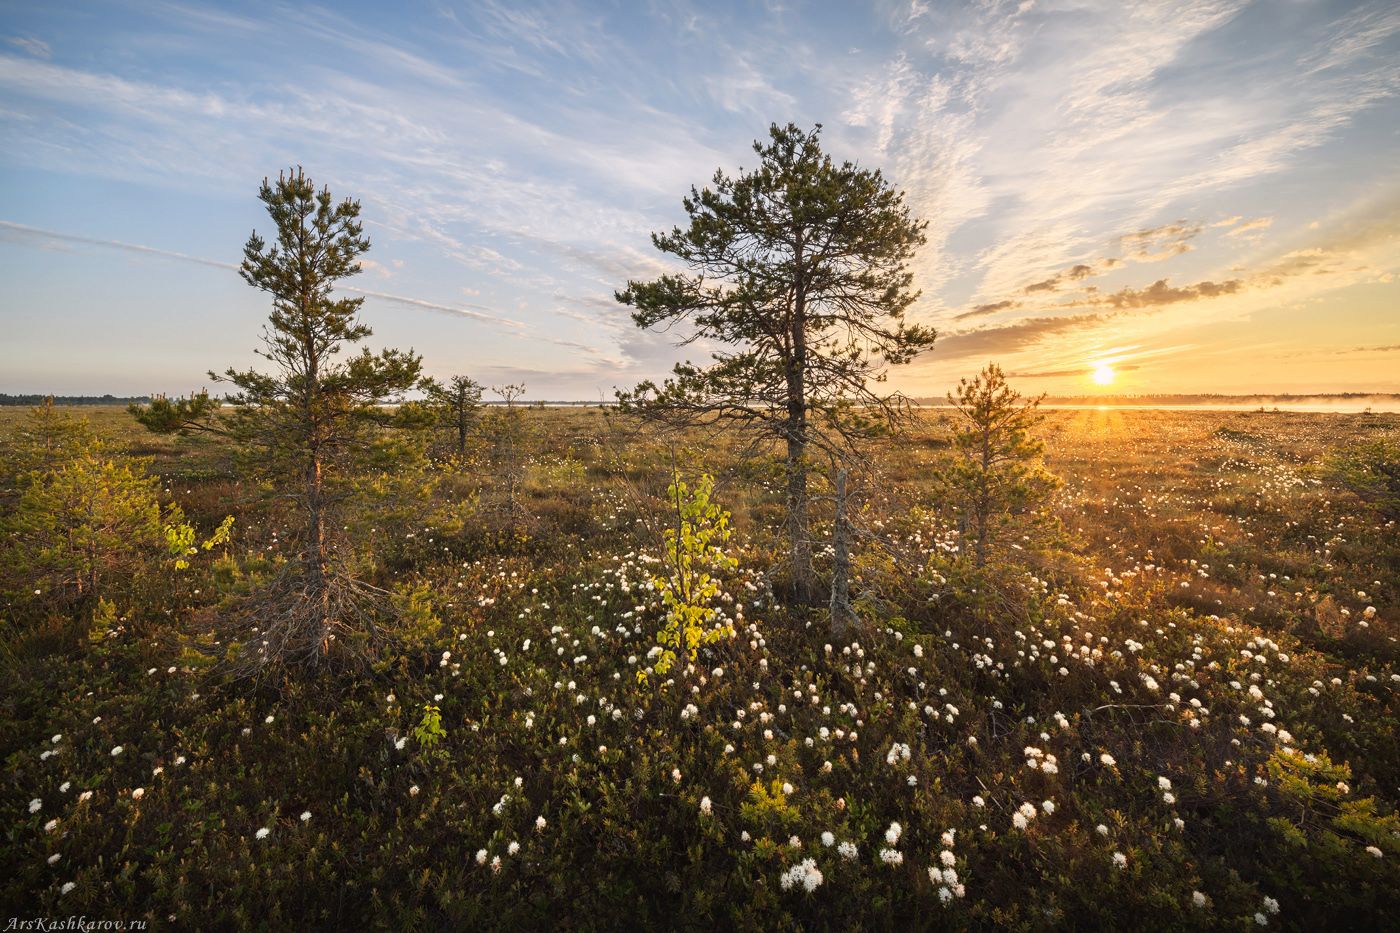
pixel 29 400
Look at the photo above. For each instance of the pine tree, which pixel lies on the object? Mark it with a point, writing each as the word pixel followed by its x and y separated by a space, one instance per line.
pixel 48 438
pixel 455 406
pixel 799 267
pixel 308 420
pixel 509 435
pixel 996 478
pixel 86 528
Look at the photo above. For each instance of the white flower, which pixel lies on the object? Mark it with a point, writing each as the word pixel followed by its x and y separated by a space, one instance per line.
pixel 1271 905
pixel 305 815
pixel 263 833
pixel 1372 850
pixel 806 874
pixel 50 826
pixel 541 823
pixel 1198 899
pixel 481 856
pixel 36 805
pixel 893 833
pixel 138 793
pixel 828 839
pixel 848 851
pixel 513 848
pixel 1260 919
pixel 1120 860
pixel 706 807
pixel 67 886
pixel 53 859
pixel 892 857
pixel 413 791
pixel 1107 759
pixel 1101 829
pixel 116 751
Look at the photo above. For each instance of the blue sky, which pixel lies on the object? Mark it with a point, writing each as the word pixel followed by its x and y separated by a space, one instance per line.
pixel 1205 194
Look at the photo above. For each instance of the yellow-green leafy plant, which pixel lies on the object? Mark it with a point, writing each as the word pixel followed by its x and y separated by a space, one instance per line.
pixel 180 537
pixel 429 730
pixel 693 553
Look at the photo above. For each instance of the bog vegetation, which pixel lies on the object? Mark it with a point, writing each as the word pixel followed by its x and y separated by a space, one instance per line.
pixel 753 649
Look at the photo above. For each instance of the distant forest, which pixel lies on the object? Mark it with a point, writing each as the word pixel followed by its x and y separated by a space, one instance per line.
pixel 33 399
pixel 38 399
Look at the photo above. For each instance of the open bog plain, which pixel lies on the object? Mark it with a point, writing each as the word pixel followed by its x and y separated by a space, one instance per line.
pixel 1181 697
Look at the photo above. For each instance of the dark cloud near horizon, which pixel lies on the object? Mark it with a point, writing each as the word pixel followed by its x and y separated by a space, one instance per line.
pixel 1158 243
pixel 1161 292
pixel 992 308
pixel 1075 273
pixel 1009 338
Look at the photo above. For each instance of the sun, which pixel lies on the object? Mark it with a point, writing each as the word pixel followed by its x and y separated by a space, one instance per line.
pixel 1103 374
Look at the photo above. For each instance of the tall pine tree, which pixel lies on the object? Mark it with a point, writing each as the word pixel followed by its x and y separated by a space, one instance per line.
pixel 799 268
pixel 307 421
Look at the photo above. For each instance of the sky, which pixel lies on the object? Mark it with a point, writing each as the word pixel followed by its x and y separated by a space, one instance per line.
pixel 1189 195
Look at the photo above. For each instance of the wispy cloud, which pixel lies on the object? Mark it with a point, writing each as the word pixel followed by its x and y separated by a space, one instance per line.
pixel 40 237
pixel 36 47
pixel 55 238
pixel 1250 226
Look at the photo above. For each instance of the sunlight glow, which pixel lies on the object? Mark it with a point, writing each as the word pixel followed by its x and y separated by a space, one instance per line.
pixel 1103 374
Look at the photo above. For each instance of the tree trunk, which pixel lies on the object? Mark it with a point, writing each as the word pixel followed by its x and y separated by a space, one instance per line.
pixel 800 540
pixel 317 565
pixel 842 615
pixel 799 535
pixel 318 571
pixel 984 499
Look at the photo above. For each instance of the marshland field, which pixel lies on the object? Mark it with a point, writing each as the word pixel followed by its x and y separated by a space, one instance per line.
pixel 1172 691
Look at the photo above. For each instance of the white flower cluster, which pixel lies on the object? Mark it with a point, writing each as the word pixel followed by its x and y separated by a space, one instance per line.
pixel 946 875
pixel 806 874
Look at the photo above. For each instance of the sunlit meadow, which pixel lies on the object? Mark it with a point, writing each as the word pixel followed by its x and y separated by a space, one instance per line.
pixel 1187 706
